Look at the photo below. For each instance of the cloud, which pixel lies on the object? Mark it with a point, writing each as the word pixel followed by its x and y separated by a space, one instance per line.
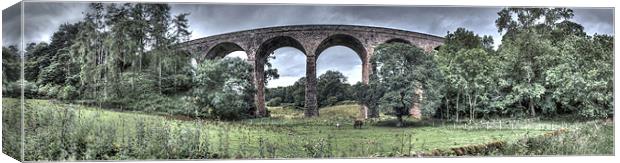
pixel 596 20
pixel 11 25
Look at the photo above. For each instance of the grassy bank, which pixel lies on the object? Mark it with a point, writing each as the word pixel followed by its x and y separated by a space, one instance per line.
pixel 56 131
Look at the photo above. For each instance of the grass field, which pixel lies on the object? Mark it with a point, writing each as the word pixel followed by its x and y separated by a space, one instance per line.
pixel 58 131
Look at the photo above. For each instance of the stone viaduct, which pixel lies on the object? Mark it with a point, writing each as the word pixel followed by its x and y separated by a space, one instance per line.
pixel 309 39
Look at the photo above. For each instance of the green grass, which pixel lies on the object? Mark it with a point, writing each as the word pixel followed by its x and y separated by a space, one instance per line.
pixel 56 131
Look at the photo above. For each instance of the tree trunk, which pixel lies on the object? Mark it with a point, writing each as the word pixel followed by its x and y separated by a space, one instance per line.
pixel 447 107
pixel 400 121
pixel 531 105
pixel 458 97
pixel 469 104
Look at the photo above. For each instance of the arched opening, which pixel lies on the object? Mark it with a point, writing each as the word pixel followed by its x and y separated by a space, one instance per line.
pixel 341 61
pixel 338 69
pixel 342 40
pixel 399 40
pixel 287 56
pixel 290 64
pixel 225 49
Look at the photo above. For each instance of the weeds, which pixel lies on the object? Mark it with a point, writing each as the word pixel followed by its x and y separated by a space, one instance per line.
pixel 74 132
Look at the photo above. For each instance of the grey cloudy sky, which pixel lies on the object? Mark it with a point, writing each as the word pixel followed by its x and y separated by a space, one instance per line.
pixel 43 18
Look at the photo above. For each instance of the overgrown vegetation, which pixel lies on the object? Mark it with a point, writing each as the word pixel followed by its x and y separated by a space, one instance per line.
pixel 57 131
pixel 225 89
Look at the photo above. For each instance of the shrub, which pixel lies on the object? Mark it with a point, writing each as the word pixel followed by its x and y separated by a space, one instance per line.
pixel 53 91
pixel 14 89
pixel 11 89
pixel 331 100
pixel 30 89
pixel 176 83
pixel 43 90
pixel 226 87
pixel 276 101
pixel 68 93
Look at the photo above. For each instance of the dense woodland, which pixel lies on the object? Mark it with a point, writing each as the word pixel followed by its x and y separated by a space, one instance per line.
pixel 123 56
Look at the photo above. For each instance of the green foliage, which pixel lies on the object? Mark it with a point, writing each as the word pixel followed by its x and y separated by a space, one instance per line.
pixel 10 64
pixel 294 94
pixel 471 77
pixel 369 96
pixel 540 67
pixel 577 85
pixel 548 65
pixel 276 101
pixel 11 89
pixel 73 132
pixel 14 89
pixel 332 87
pixel 593 138
pixel 400 70
pixel 225 86
pixel 113 39
pixel 68 93
pixel 11 127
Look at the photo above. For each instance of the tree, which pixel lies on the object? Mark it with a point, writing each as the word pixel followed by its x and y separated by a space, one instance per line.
pixel 543 20
pixel 10 64
pixel 36 57
pixel 115 39
pixel 581 81
pixel 331 84
pixel 476 77
pixel 225 86
pixel 368 95
pixel 299 92
pixel 527 49
pixel 270 72
pixel 399 70
pixel 469 75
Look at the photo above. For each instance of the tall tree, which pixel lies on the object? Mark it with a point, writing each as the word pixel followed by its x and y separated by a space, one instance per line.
pixel 525 48
pixel 465 63
pixel 400 70
pixel 10 64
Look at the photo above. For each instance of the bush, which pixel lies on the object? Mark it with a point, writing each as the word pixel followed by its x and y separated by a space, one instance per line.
pixel 14 89
pixel 136 84
pixel 11 89
pixel 68 93
pixel 176 83
pixel 30 90
pixel 331 100
pixel 42 91
pixel 53 91
pixel 276 101
pixel 225 86
pixel 347 102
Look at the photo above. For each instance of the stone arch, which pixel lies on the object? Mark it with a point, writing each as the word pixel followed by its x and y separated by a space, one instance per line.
pixel 343 40
pixel 265 49
pixel 270 45
pixel 354 44
pixel 399 40
pixel 222 49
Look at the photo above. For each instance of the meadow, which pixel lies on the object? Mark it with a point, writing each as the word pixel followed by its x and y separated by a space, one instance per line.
pixel 61 131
